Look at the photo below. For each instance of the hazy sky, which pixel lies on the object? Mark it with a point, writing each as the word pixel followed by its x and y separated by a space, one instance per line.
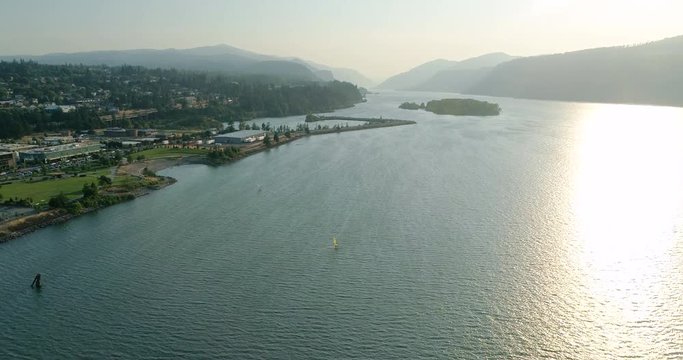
pixel 377 37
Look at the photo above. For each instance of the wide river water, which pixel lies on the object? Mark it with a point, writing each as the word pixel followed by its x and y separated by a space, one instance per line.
pixel 554 230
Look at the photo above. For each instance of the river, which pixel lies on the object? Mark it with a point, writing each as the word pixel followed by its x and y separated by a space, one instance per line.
pixel 553 230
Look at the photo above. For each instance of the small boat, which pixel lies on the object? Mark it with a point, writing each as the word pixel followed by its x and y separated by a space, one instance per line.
pixel 334 243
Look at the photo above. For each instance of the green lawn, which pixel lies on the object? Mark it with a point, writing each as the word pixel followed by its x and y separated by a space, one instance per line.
pixel 42 191
pixel 164 152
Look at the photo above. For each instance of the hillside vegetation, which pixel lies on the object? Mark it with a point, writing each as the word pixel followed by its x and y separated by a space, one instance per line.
pixel 646 74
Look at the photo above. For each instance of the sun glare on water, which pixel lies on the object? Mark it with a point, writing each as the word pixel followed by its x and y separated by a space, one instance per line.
pixel 627 204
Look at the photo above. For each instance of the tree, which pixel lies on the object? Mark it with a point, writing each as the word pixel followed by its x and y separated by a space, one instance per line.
pixel 74 208
pixel 266 140
pixel 89 190
pixel 104 180
pixel 58 201
pixel 276 137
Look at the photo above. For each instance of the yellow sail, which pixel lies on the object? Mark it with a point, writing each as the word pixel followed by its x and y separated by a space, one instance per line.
pixel 334 242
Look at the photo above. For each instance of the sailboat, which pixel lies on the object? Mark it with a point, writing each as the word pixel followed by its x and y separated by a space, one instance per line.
pixel 334 243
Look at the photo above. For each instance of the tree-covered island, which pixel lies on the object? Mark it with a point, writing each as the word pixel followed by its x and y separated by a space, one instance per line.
pixel 411 106
pixel 458 107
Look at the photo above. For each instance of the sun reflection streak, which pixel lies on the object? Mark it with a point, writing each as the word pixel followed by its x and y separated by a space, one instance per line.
pixel 627 199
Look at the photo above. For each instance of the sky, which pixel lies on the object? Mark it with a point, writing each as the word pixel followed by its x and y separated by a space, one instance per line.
pixel 379 38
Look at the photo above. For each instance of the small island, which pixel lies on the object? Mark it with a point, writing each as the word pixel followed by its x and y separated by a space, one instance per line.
pixel 457 107
pixel 411 106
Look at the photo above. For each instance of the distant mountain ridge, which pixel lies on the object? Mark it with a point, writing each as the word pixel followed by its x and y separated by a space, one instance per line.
pixel 416 75
pixel 218 58
pixel 650 73
pixel 342 74
pixel 428 75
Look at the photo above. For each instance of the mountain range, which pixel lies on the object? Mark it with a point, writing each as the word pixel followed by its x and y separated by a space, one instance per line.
pixel 650 73
pixel 218 58
pixel 445 75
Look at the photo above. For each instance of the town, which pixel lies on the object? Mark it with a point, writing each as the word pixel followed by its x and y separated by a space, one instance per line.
pixel 38 98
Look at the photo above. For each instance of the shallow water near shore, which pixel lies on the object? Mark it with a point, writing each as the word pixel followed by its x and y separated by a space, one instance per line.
pixel 553 230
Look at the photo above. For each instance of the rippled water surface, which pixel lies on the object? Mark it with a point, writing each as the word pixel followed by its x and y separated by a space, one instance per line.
pixel 554 230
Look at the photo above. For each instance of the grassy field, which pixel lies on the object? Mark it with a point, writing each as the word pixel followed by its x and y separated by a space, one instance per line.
pixel 42 191
pixel 170 153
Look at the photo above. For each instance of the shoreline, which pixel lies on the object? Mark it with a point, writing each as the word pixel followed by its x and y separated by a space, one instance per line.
pixel 24 225
pixel 18 227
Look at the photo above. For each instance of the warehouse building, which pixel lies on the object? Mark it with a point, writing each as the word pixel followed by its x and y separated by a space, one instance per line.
pixel 59 152
pixel 240 137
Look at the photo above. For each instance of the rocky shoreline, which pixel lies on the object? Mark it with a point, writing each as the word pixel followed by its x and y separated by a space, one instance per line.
pixel 25 225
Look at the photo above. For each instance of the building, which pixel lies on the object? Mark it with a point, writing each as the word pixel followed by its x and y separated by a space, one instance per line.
pixel 59 152
pixel 58 140
pixel 7 160
pixel 147 132
pixel 115 132
pixel 63 108
pixel 13 147
pixel 67 108
pixel 240 137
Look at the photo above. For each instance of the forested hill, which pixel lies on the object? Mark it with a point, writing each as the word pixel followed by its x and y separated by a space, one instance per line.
pixel 222 58
pixel 646 74
pixel 28 91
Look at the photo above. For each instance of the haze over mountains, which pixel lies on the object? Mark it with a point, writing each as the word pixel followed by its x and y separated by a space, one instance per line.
pixel 218 58
pixel 443 75
pixel 650 73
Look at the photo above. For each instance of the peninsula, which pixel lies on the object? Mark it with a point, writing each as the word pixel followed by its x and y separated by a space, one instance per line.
pixel 369 122
pixel 56 197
